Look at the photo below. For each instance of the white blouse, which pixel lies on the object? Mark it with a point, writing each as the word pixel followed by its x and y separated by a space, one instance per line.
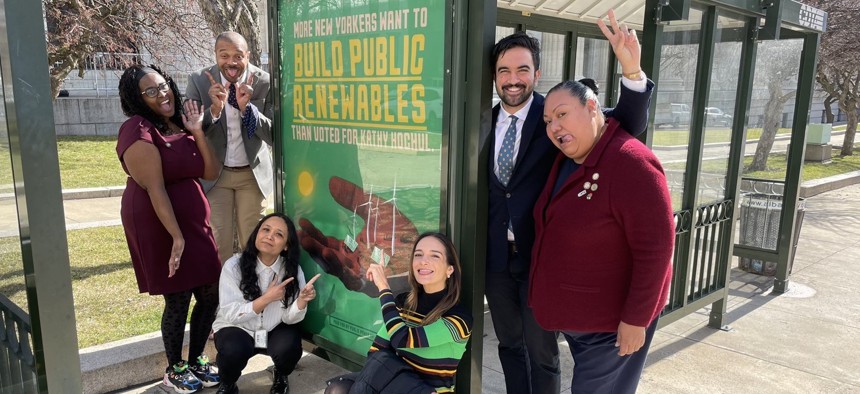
pixel 235 311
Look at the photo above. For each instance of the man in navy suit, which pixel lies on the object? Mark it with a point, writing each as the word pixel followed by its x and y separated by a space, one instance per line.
pixel 520 163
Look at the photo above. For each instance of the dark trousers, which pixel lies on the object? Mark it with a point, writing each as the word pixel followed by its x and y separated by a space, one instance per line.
pixel 236 347
pixel 528 353
pixel 597 366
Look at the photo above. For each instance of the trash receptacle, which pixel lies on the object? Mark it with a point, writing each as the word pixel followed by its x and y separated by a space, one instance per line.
pixel 759 227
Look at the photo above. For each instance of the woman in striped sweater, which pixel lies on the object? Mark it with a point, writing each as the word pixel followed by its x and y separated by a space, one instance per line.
pixel 425 330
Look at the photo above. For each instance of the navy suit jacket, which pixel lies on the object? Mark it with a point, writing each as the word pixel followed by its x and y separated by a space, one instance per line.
pixel 531 169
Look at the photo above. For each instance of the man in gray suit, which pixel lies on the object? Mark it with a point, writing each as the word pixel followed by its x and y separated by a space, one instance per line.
pixel 238 124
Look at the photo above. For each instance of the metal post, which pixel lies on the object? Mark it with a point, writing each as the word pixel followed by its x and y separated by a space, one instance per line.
pixel 474 33
pixel 652 46
pixel 35 169
pixel 275 96
pixel 743 98
pixel 805 84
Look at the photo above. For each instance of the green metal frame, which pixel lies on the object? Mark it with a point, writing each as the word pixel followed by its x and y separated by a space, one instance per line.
pixel 275 96
pixel 471 119
pixel 35 169
pixel 787 227
pixel 743 100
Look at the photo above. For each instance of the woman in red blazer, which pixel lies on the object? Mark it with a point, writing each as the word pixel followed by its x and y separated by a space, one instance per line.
pixel 604 234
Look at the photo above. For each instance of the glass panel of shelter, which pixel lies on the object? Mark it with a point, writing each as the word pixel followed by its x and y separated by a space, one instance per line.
pixel 728 47
pixel 769 123
pixel 674 99
pixel 11 270
pixel 14 375
pixel 592 61
pixel 552 54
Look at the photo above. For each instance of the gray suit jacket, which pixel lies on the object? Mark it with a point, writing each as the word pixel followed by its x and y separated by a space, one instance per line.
pixel 259 156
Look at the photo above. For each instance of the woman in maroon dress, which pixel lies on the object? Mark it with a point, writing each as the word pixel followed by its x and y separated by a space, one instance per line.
pixel 164 213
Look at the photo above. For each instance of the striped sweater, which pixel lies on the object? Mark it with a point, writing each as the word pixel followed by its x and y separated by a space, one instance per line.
pixel 433 350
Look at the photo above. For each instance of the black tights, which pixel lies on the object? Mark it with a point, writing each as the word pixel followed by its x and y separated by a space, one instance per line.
pixel 174 317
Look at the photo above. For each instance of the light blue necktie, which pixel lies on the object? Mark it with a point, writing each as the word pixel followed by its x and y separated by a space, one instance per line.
pixel 506 153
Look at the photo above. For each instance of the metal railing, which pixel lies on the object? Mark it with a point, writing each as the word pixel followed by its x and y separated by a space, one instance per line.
pixel 103 69
pixel 17 364
pixel 701 279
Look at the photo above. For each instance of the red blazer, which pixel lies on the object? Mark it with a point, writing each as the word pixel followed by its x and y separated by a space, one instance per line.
pixel 606 259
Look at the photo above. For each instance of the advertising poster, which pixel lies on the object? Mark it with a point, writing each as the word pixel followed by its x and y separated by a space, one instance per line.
pixel 361 103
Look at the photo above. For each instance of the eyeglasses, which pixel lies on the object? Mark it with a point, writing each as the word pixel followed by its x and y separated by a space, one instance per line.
pixel 153 91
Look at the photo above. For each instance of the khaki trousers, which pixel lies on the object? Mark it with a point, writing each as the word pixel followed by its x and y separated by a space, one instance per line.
pixel 236 203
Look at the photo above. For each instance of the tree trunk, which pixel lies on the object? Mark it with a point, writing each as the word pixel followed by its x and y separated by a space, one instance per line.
pixel 241 16
pixel 828 109
pixel 850 131
pixel 772 118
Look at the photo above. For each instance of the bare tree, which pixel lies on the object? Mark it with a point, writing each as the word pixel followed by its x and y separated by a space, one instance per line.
pixel 838 72
pixel 241 16
pixel 77 29
pixel 777 66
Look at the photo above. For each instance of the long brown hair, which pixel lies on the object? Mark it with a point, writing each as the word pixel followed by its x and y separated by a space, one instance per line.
pixel 452 284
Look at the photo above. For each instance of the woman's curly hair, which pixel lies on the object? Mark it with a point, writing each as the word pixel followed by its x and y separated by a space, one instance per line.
pixel 132 100
pixel 248 263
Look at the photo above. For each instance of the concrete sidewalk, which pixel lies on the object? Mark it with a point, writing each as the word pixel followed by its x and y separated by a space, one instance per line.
pixel 804 341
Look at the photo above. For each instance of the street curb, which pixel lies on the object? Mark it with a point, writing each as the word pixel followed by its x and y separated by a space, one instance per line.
pixel 127 362
pixel 138 360
pixel 93 192
pixel 78 194
pixel 818 186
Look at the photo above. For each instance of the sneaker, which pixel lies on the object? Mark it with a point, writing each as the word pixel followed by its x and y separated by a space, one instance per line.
pixel 205 372
pixel 179 377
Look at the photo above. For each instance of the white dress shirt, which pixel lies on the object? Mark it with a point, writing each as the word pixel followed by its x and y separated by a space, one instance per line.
pixel 235 311
pixel 235 155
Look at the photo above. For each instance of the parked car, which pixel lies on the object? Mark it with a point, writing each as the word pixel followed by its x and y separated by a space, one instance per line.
pixel 716 117
pixel 673 114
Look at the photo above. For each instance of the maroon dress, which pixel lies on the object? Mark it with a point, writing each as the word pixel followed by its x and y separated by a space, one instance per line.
pixel 148 241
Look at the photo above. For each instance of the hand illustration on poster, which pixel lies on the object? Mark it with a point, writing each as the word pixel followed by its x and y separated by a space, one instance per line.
pixel 386 239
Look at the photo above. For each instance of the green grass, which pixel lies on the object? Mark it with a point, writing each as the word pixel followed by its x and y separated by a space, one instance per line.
pixel 108 306
pixel 89 161
pixel 777 167
pixel 85 161
pixel 712 135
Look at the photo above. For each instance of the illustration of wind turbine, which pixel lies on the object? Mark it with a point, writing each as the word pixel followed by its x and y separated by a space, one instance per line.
pixel 369 204
pixel 393 202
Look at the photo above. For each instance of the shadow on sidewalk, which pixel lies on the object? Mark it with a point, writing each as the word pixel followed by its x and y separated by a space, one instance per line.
pixel 747 293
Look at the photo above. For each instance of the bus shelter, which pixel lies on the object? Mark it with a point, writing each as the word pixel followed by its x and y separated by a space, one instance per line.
pixel 383 108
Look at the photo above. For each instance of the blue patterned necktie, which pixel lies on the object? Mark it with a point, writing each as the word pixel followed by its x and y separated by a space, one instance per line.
pixel 506 153
pixel 248 118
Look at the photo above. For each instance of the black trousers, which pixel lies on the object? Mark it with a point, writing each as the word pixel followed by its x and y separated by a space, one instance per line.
pixel 528 353
pixel 597 366
pixel 236 347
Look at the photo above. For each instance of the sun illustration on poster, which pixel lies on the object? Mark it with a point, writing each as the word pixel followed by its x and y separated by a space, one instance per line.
pixel 306 183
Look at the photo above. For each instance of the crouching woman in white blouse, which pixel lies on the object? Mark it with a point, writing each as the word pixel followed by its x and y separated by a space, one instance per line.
pixel 263 297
